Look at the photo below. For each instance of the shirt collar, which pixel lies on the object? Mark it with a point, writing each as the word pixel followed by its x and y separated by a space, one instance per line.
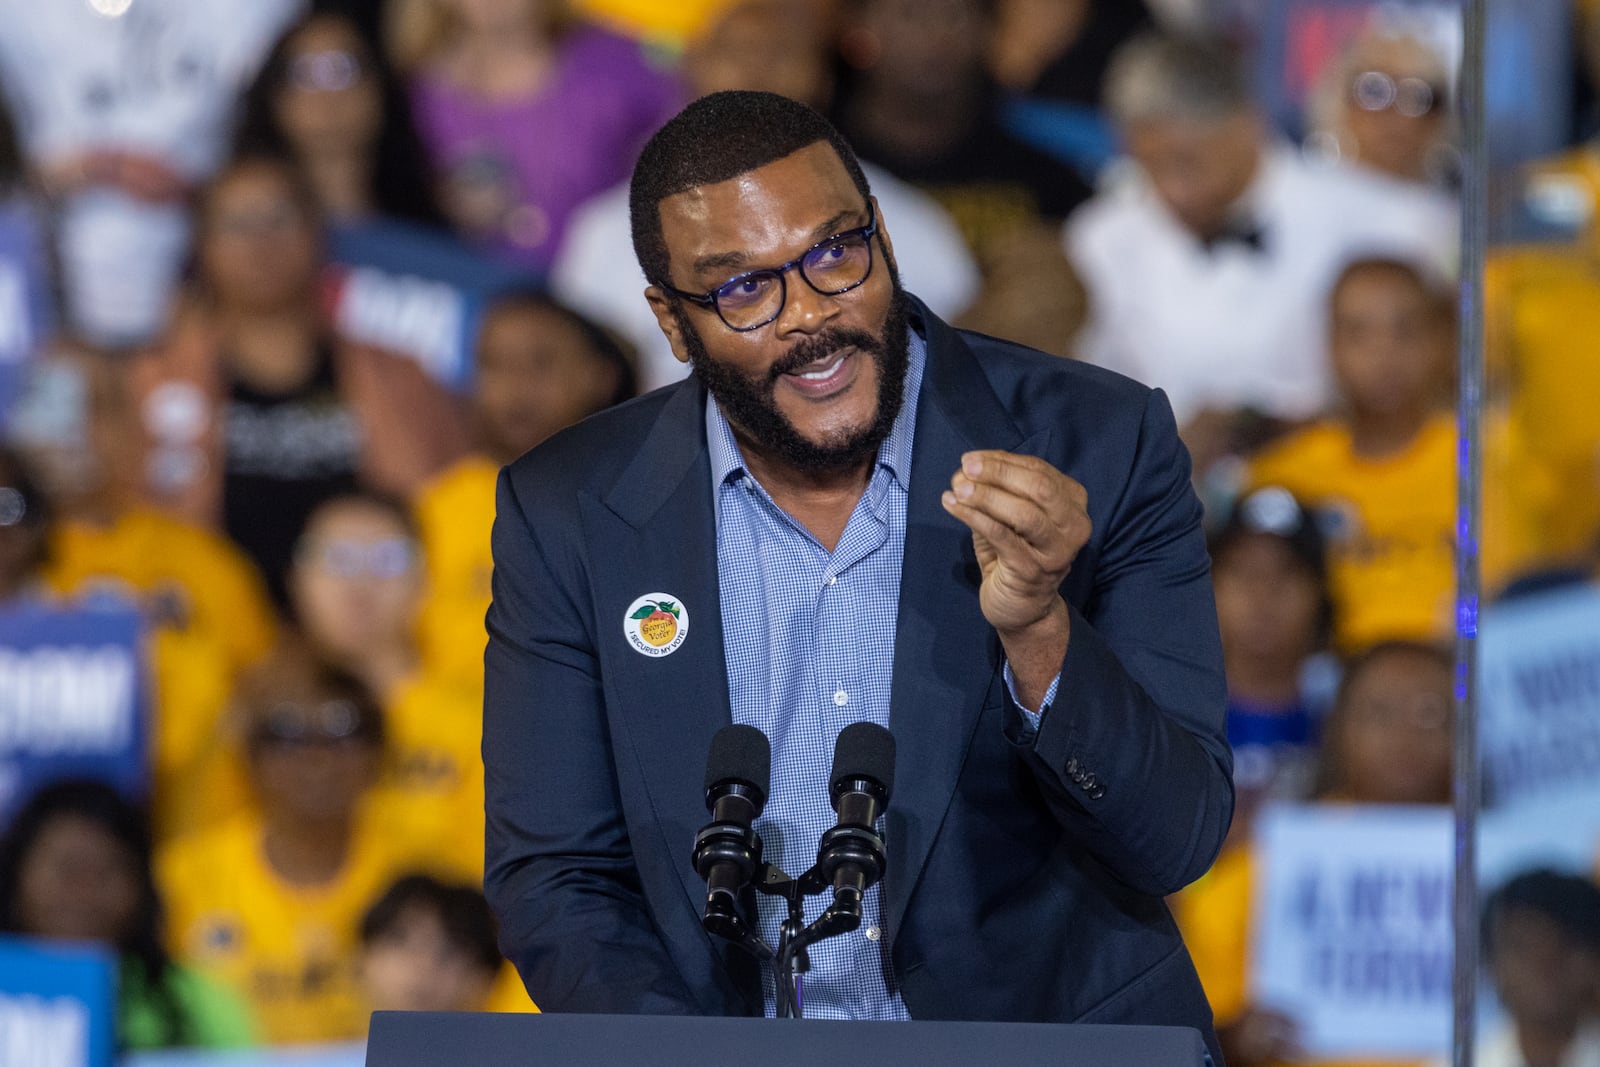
pixel 894 454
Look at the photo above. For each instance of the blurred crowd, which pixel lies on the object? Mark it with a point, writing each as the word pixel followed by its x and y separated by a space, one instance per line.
pixel 233 397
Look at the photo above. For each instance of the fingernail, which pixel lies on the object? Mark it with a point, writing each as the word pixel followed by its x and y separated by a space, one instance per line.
pixel 963 489
pixel 972 464
pixel 948 499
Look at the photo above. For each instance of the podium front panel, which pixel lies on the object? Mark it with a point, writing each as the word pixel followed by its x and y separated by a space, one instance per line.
pixel 415 1039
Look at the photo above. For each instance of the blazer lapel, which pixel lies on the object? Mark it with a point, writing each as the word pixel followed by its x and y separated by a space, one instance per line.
pixel 946 653
pixel 654 533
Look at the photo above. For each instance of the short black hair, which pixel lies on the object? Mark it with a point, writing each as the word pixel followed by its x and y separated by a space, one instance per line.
pixel 461 910
pixel 715 139
pixel 1569 901
pixel 1435 291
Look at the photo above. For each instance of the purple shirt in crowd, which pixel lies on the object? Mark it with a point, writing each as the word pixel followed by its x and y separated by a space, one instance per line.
pixel 523 165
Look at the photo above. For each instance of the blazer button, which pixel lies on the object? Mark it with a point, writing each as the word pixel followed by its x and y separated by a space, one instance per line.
pixel 1073 771
pixel 1093 788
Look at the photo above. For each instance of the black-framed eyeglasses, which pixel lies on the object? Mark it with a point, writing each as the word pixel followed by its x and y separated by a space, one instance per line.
pixel 832 266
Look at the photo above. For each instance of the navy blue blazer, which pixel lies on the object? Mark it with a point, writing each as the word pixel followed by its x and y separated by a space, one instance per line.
pixel 1025 873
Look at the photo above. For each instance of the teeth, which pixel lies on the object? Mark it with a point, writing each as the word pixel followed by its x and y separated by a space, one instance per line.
pixel 818 375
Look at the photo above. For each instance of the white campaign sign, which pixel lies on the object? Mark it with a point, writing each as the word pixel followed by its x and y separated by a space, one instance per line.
pixel 1353 926
pixel 1539 732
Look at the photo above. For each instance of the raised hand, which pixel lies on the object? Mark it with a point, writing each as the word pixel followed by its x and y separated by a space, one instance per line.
pixel 1028 522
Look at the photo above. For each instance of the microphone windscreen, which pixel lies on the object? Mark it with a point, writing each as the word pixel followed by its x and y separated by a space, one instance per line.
pixel 864 750
pixel 742 753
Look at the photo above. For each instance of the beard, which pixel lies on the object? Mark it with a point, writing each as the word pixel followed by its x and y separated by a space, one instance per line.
pixel 749 402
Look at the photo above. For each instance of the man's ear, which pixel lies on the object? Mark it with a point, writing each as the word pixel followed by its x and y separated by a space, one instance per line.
pixel 662 307
pixel 883 234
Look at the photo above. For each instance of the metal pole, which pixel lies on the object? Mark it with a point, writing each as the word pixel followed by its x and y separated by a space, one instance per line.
pixel 1474 239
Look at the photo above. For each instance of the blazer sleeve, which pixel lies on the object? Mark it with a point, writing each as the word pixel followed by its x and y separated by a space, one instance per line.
pixel 1133 757
pixel 559 869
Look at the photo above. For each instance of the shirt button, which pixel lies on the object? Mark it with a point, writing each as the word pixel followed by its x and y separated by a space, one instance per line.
pixel 832 578
pixel 840 698
pixel 873 933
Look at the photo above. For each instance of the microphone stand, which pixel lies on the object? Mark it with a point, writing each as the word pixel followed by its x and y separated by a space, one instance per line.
pixel 789 961
pixel 851 847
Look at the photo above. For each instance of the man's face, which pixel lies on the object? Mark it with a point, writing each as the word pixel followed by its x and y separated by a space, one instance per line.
pixel 817 389
pixel 1198 169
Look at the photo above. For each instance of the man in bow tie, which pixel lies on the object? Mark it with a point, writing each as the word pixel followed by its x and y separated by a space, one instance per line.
pixel 1208 265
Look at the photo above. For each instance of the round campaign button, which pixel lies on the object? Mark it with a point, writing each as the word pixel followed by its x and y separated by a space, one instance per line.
pixel 656 624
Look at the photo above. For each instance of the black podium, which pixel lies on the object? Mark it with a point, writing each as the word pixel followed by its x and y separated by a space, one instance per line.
pixel 415 1039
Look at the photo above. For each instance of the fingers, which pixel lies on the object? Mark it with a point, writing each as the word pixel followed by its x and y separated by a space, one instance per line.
pixel 1021 499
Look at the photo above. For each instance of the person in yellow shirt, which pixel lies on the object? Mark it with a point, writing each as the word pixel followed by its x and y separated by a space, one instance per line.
pixel 1383 471
pixel 540 368
pixel 354 588
pixel 1541 315
pixel 186 578
pixel 1386 741
pixel 270 901
pixel 207 607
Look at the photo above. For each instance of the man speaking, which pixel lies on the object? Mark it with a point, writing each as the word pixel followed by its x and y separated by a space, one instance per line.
pixel 850 512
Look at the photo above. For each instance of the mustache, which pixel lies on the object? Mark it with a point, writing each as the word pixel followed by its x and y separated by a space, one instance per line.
pixel 819 347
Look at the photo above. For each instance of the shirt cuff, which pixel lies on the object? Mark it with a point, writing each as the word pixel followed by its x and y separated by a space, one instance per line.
pixel 1033 717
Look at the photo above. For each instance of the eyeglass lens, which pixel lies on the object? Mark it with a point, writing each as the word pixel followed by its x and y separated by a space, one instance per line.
pixel 327 72
pixel 1411 97
pixel 293 723
pixel 832 267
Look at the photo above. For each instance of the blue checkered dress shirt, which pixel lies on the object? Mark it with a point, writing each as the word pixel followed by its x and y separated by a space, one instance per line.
pixel 809 640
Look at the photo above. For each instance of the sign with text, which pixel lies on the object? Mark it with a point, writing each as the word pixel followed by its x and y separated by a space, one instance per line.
pixel 414 292
pixel 1539 731
pixel 56 1004
pixel 1352 933
pixel 72 700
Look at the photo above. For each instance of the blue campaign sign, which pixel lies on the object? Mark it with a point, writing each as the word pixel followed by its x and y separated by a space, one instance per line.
pixel 25 318
pixel 73 700
pixel 415 292
pixel 57 1004
pixel 1353 934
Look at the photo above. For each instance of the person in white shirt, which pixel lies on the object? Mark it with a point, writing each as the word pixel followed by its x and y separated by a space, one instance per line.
pixel 1209 262
pixel 777 46
pixel 123 109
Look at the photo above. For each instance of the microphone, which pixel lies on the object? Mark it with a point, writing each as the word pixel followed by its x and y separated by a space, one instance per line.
pixel 727 852
pixel 850 856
